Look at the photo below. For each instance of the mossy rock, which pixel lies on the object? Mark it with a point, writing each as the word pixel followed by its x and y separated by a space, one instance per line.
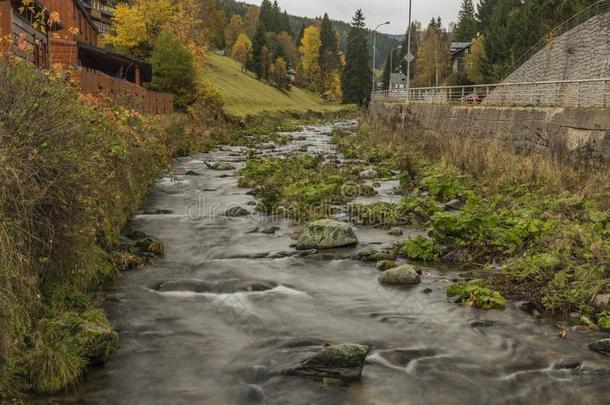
pixel 344 361
pixel 402 275
pixel 326 234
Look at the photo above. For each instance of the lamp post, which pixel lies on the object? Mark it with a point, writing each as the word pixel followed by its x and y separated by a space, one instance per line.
pixel 375 49
pixel 409 56
pixel 392 65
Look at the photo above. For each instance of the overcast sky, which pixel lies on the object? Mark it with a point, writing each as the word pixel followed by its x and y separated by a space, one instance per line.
pixel 376 11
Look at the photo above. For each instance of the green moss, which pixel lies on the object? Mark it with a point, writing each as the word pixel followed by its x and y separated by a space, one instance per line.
pixel 476 293
pixel 603 320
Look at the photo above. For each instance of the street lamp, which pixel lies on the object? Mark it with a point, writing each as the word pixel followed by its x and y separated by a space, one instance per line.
pixel 392 64
pixel 375 48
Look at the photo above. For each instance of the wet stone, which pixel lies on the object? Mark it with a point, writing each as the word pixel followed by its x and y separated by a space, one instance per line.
pixel 395 232
pixel 237 212
pixel 220 166
pixel 601 346
pixel 344 361
pixel 271 229
pixel 192 173
pixel 403 275
pixel 326 234
pixel 384 265
pixel 481 323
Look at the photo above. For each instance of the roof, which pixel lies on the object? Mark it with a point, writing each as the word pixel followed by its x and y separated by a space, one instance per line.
pixel 458 46
pixel 110 59
pixel 398 77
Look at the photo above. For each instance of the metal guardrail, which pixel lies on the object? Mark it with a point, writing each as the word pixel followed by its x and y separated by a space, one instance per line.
pixel 601 7
pixel 565 93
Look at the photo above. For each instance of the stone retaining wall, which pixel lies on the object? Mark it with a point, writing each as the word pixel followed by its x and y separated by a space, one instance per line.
pixel 582 133
pixel 581 53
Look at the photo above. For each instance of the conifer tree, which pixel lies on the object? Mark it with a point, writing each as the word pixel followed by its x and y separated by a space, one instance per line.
pixel 467 26
pixel 256 63
pixel 357 75
pixel 266 15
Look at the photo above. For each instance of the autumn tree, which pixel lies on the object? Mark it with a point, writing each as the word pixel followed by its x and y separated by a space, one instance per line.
pixel 289 48
pixel 474 60
pixel 433 56
pixel 241 49
pixel 467 26
pixel 310 55
pixel 357 75
pixel 251 20
pixel 279 72
pixel 234 28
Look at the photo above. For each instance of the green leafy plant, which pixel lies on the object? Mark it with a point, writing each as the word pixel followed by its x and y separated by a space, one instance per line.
pixel 476 293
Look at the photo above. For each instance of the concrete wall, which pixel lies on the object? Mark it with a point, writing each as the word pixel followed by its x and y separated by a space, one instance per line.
pixel 581 133
pixel 581 53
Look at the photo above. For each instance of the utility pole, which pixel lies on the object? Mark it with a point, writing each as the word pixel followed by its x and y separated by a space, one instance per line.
pixel 409 56
pixel 375 49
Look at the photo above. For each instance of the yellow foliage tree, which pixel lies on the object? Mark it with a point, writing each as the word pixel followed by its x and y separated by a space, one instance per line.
pixel 235 27
pixel 279 71
pixel 136 26
pixel 333 91
pixel 472 62
pixel 310 52
pixel 241 49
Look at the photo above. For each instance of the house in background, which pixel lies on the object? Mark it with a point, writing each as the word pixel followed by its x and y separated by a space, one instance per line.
pixel 398 81
pixel 101 11
pixel 459 50
pixel 30 43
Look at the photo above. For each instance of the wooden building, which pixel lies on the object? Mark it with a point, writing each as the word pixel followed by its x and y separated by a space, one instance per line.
pixel 28 42
pixel 74 42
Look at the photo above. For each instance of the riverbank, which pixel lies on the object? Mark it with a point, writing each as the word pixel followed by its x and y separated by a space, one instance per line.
pixel 235 305
pixel 541 227
pixel 74 171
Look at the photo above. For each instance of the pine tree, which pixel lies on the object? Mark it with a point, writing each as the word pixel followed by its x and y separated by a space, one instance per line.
pixel 256 63
pixel 385 77
pixel 285 24
pixel 357 75
pixel 275 18
pixel 467 26
pixel 266 15
pixel 329 50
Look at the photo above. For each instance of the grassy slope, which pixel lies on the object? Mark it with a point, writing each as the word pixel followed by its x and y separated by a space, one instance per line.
pixel 244 95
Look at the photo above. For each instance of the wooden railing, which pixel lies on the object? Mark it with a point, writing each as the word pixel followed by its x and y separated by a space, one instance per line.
pixel 147 101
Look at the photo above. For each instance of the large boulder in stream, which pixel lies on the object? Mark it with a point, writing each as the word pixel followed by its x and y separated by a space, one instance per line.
pixel 326 234
pixel 344 361
pixel 402 275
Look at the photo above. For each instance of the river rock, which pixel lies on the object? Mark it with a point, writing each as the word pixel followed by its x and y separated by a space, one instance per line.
pixel 384 265
pixel 368 174
pixel 454 205
pixel 344 361
pixel 601 346
pixel 602 301
pixel 326 234
pixel 395 232
pixel 365 253
pixel 271 229
pixel 192 173
pixel 220 166
pixel 481 323
pixel 266 146
pixel 402 275
pixel 237 212
pixel 185 285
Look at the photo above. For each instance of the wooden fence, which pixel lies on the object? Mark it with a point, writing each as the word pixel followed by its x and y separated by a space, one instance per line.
pixel 147 101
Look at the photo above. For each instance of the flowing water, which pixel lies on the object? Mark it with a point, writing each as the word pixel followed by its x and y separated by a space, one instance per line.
pixel 222 348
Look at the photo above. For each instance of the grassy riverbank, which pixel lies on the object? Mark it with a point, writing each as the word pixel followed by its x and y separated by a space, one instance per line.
pixel 540 226
pixel 73 171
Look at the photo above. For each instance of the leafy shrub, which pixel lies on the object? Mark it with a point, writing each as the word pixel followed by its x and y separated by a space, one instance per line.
pixel 173 70
pixel 420 248
pixel 443 183
pixel 476 293
pixel 603 320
